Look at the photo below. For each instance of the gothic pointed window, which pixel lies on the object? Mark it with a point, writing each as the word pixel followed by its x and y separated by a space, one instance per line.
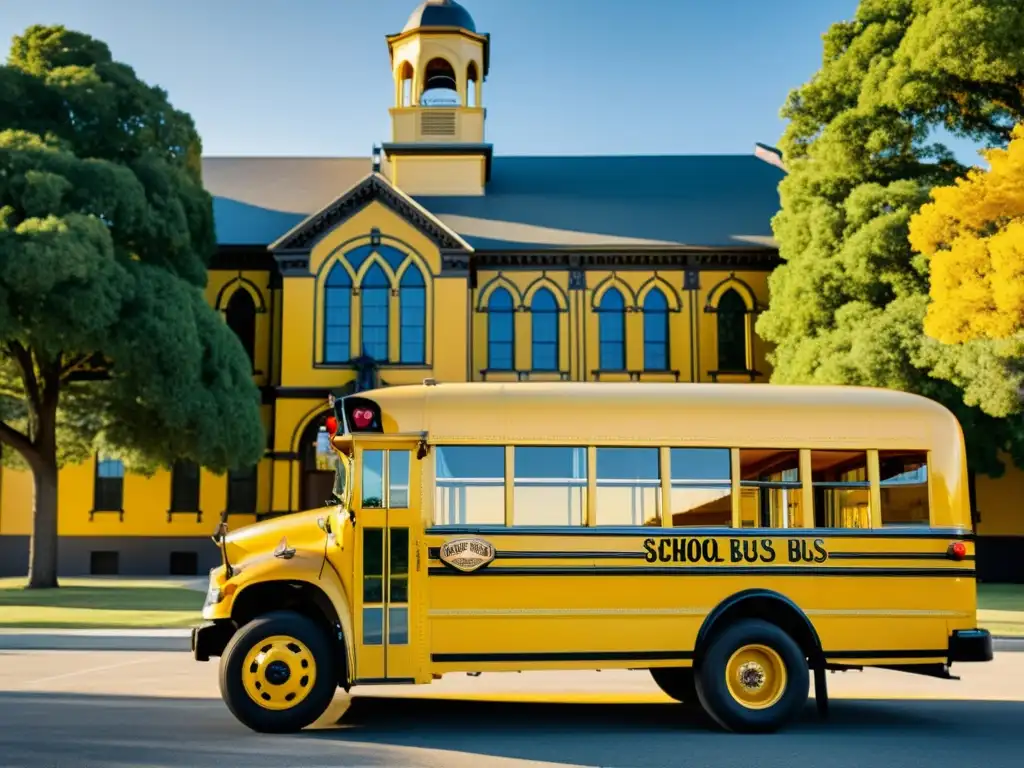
pixel 732 332
pixel 240 314
pixel 412 296
pixel 338 316
pixel 375 291
pixel 544 321
pixel 612 331
pixel 501 335
pixel 656 348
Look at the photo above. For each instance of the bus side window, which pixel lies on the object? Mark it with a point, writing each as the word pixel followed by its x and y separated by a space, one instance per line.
pixel 470 485
pixel 549 485
pixel 628 486
pixel 771 486
pixel 903 476
pixel 701 483
pixel 842 492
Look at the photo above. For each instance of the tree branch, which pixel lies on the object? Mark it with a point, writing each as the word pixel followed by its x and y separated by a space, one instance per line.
pixel 27 370
pixel 75 365
pixel 19 442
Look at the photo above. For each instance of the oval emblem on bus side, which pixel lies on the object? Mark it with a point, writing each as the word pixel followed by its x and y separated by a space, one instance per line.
pixel 467 555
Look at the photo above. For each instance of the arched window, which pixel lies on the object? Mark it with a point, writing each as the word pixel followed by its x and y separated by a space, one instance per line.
pixel 655 331
pixel 544 316
pixel 405 74
pixel 611 332
pixel 472 85
pixel 338 316
pixel 501 331
pixel 412 295
pixel 375 290
pixel 732 332
pixel 440 88
pixel 240 314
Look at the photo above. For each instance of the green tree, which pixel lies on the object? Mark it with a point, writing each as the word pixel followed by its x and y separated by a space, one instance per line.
pixel 848 304
pixel 105 232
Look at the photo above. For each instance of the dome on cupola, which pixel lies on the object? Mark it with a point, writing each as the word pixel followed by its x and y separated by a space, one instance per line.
pixel 440 13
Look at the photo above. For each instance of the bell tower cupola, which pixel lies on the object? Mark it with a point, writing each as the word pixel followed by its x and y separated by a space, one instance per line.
pixel 439 63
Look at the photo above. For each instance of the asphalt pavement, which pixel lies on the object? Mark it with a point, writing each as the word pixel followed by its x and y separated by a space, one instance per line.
pixel 82 709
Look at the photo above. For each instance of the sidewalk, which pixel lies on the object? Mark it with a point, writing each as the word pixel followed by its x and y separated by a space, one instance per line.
pixel 180 640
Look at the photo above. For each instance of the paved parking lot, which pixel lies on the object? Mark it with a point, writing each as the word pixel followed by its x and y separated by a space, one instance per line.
pixel 112 708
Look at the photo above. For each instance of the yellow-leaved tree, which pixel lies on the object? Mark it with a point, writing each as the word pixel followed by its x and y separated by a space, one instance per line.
pixel 973 234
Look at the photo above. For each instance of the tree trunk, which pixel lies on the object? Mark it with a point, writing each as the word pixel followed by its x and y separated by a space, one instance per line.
pixel 42 555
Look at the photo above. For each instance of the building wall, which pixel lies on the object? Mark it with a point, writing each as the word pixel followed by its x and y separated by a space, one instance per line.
pixel 464 324
pixel 690 312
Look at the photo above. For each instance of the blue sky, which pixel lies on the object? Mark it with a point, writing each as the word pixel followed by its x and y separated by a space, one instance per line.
pixel 311 77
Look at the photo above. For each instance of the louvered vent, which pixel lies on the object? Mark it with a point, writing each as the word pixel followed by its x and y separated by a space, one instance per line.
pixel 437 122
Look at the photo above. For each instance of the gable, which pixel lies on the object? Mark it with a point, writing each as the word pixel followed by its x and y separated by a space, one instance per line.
pixel 373 187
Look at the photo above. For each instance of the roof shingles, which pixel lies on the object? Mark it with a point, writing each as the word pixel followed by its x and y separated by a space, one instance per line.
pixel 704 201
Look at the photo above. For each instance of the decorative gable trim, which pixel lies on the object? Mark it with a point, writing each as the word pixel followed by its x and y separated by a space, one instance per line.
pixel 291 247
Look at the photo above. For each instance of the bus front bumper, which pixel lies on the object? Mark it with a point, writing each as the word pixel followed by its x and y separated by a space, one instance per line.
pixel 210 638
pixel 970 645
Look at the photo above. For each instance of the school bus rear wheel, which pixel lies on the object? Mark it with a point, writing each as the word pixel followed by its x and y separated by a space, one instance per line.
pixel 753 677
pixel 278 673
pixel 676 683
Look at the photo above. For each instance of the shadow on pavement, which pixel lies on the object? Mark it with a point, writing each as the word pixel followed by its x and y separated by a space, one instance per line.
pixel 39 729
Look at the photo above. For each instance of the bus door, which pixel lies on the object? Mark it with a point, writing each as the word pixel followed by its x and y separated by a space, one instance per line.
pixel 387 518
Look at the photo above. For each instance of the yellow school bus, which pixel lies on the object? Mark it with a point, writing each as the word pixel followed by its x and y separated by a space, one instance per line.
pixel 735 540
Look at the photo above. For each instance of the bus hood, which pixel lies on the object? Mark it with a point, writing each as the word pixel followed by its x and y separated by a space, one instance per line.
pixel 301 531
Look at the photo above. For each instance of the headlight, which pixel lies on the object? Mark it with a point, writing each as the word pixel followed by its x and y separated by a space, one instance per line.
pixel 213 596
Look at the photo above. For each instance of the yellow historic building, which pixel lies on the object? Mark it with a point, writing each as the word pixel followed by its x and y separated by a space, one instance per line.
pixel 435 258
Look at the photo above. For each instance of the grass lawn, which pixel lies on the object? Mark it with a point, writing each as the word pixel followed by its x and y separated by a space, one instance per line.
pixel 96 603
pixel 1001 609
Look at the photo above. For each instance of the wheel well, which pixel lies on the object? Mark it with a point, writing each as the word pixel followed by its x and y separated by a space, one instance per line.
pixel 768 606
pixel 299 596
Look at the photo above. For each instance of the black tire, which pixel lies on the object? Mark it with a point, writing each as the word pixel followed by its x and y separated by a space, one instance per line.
pixel 719 701
pixel 322 687
pixel 677 683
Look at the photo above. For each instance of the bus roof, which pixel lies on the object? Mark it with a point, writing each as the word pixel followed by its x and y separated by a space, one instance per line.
pixel 735 415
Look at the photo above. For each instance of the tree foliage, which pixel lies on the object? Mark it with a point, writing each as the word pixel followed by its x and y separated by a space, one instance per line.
pixel 105 235
pixel 973 234
pixel 848 304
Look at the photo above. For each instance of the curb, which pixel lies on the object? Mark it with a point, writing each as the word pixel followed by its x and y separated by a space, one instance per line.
pixel 141 640
pixel 96 640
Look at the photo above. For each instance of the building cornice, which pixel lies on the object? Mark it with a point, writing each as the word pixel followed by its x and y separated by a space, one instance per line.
pixel 709 259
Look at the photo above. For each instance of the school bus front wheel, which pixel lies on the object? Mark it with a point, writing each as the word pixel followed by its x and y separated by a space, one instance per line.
pixel 278 673
pixel 753 678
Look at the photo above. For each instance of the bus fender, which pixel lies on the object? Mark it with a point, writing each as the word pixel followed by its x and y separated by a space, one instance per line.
pixel 310 570
pixel 768 605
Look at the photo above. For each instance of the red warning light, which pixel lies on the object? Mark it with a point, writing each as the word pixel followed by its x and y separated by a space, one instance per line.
pixel 332 425
pixel 957 550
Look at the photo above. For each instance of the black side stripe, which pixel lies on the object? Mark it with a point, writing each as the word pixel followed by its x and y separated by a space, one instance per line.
pixel 948 534
pixel 442 658
pixel 892 556
pixel 900 654
pixel 709 570
pixel 434 553
pixel 455 658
